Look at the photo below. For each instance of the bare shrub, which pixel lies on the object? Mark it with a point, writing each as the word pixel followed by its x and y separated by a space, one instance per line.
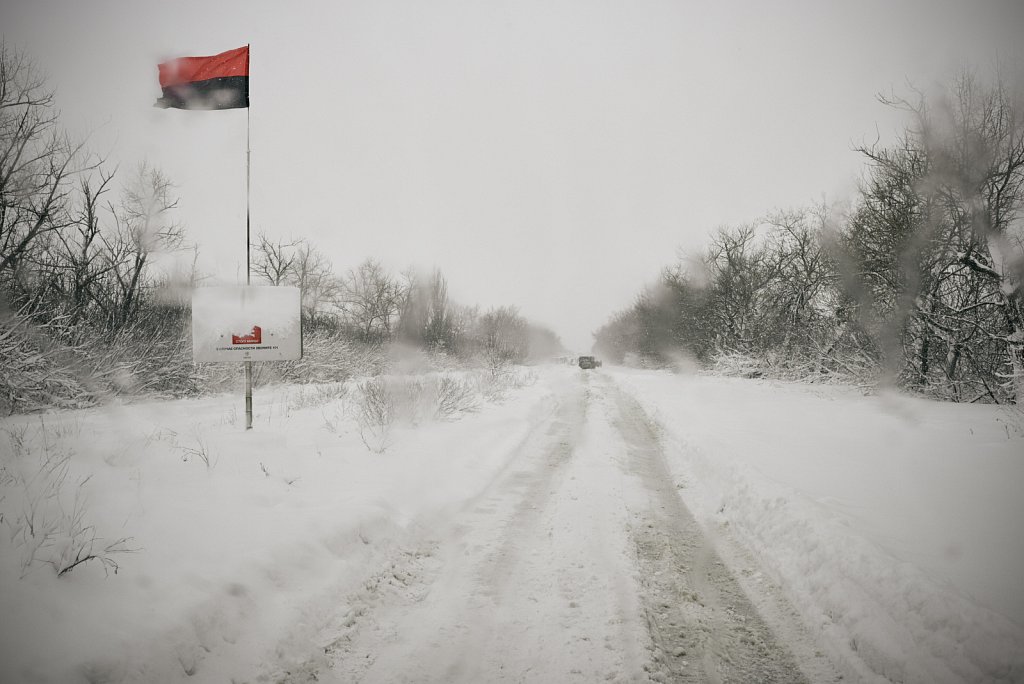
pixel 735 364
pixel 200 452
pixel 412 400
pixel 16 435
pixel 80 543
pixel 32 376
pixel 375 414
pixel 501 378
pixel 54 364
pixel 379 404
pixel 455 396
pixel 45 513
pixel 328 357
pixel 315 396
pixel 848 369
pixel 332 420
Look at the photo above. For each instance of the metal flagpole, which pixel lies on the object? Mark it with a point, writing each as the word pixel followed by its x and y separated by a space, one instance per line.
pixel 248 272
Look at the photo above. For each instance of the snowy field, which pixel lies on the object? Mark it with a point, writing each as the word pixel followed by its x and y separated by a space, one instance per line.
pixel 238 536
pixel 889 524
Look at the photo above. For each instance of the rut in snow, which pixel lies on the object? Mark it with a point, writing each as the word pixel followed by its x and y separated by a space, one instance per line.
pixel 577 563
pixel 702 626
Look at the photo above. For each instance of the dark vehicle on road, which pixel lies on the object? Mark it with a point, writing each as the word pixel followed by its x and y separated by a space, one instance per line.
pixel 588 362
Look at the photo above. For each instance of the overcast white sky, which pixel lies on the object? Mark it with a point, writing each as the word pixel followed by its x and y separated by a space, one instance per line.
pixel 552 154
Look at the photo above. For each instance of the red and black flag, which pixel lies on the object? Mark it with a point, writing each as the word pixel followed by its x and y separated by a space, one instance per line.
pixel 215 82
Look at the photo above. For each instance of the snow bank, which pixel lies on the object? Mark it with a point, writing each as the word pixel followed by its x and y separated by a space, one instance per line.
pixel 244 543
pixel 891 522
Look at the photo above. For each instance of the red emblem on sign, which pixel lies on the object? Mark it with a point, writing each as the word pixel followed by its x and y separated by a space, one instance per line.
pixel 252 338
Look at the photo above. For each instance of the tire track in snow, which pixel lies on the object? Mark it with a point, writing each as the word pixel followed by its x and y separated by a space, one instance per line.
pixel 579 563
pixel 530 582
pixel 702 626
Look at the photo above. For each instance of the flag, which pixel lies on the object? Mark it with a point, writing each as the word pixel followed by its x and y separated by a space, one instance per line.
pixel 215 82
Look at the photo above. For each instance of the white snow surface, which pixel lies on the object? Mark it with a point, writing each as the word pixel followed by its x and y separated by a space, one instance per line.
pixel 890 523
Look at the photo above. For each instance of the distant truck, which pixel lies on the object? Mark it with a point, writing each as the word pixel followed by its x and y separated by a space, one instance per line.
pixel 588 362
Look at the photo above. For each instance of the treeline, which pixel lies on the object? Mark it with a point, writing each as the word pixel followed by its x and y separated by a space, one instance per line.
pixel 372 306
pixel 919 283
pixel 87 313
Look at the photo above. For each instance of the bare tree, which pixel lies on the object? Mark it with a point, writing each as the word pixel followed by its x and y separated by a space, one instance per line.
pixel 275 261
pixel 933 242
pixel 427 317
pixel 504 335
pixel 299 263
pixel 979 177
pixel 314 275
pixel 804 299
pixel 143 228
pixel 372 300
pixel 77 260
pixel 37 159
pixel 740 271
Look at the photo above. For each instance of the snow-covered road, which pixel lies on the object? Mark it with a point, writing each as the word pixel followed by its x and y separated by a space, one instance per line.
pixel 579 562
pixel 608 525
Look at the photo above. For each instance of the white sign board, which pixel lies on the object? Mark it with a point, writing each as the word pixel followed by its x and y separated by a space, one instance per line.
pixel 246 323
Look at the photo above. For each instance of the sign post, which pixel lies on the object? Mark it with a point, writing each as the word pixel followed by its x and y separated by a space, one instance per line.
pixel 245 324
pixel 248 262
